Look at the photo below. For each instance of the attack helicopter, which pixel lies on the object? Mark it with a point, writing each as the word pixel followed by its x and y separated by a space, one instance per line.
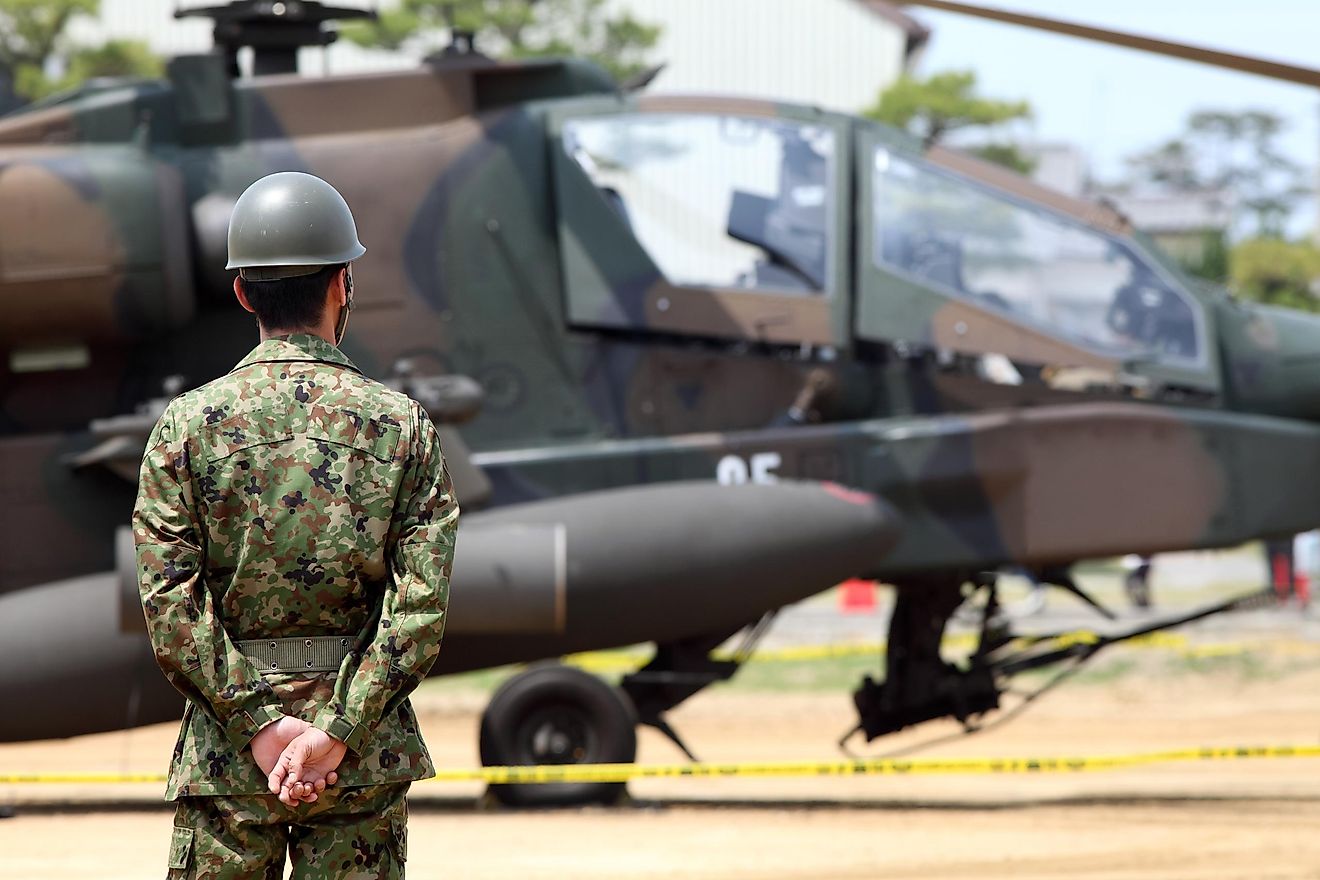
pixel 693 359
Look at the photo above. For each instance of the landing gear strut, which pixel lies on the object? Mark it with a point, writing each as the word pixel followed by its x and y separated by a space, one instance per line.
pixel 920 686
pixel 681 669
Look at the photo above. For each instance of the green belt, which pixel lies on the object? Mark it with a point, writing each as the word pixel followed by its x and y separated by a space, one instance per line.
pixel 285 656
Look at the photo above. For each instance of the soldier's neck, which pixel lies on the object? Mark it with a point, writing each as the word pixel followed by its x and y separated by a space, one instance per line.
pixel 306 331
pixel 325 328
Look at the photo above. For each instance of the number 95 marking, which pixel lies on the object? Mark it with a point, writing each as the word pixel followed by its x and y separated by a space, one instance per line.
pixel 733 470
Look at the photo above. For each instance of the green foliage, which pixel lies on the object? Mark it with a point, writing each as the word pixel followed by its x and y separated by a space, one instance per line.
pixel 32 35
pixel 516 29
pixel 119 58
pixel 1232 151
pixel 1170 165
pixel 1276 272
pixel 30 30
pixel 1212 264
pixel 942 103
pixel 1007 155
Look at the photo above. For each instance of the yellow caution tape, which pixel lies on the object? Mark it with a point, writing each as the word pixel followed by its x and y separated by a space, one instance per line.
pixel 79 778
pixel 873 767
pixel 864 767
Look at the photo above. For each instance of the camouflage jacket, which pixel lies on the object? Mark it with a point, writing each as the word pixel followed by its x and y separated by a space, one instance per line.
pixel 294 497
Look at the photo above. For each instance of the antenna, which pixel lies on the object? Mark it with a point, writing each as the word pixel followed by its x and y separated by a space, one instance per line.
pixel 274 29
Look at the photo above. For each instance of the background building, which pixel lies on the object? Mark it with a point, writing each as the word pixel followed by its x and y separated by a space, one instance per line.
pixel 835 54
pixel 1187 224
pixel 759 48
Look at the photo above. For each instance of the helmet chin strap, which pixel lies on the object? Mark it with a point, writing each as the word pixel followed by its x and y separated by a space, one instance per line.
pixel 342 324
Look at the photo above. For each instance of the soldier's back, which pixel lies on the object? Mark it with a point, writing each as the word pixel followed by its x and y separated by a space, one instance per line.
pixel 295 459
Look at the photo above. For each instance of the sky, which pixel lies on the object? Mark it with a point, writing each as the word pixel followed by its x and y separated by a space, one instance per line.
pixel 1113 101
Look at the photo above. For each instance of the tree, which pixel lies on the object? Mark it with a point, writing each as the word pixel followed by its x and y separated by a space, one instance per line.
pixel 516 29
pixel 1211 261
pixel 1232 151
pixel 1170 165
pixel 1006 154
pixel 1278 272
pixel 946 102
pixel 113 58
pixel 30 31
pixel 32 38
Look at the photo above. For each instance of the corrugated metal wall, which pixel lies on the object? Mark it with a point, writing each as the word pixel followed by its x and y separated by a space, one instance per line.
pixel 831 53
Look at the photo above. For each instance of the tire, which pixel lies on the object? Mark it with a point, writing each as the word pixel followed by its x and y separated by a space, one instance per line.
pixel 556 714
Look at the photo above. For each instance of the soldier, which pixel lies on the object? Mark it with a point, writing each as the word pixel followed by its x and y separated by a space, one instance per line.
pixel 295 533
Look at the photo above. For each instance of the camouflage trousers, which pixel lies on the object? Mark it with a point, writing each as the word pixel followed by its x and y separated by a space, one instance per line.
pixel 348 834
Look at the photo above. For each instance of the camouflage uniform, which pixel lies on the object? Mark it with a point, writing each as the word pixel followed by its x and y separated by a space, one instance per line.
pixel 348 834
pixel 294 497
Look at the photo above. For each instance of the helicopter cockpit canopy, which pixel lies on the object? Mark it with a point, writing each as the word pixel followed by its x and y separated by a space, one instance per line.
pixel 718 218
pixel 730 219
pixel 717 200
pixel 1039 268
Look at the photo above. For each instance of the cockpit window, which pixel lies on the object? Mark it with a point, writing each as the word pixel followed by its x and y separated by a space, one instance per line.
pixel 717 201
pixel 947 233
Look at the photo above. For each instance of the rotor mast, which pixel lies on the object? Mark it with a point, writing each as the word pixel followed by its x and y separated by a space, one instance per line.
pixel 274 29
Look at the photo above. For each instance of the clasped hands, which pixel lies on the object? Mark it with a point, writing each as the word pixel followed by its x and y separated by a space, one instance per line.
pixel 299 760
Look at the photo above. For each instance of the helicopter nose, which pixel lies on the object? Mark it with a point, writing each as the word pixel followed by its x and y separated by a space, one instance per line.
pixel 1271 360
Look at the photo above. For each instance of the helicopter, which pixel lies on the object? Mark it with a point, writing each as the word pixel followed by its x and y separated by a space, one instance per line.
pixel 692 359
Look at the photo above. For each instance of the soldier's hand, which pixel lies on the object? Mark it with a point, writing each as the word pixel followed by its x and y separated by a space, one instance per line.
pixel 271 741
pixel 306 766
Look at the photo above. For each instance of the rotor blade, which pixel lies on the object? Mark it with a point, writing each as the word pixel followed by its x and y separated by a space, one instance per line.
pixel 1261 67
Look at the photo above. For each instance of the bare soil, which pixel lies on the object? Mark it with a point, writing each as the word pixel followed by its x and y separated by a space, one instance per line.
pixel 1249 819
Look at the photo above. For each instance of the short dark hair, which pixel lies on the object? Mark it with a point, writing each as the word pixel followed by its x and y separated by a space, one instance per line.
pixel 290 303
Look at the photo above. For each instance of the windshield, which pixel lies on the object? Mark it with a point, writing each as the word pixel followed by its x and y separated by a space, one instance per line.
pixel 717 200
pixel 945 232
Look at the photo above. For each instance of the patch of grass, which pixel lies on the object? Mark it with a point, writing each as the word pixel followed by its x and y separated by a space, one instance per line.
pixel 1247 665
pixel 1107 670
pixel 842 674
pixel 1104 670
pixel 1244 665
pixel 480 681
pixel 1113 567
pixel 837 674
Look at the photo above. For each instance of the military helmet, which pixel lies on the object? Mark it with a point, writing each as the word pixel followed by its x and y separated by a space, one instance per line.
pixel 289 224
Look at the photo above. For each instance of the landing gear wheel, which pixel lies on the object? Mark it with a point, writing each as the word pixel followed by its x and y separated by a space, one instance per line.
pixel 555 714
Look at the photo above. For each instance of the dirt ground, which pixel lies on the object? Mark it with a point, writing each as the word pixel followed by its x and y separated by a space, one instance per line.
pixel 1206 820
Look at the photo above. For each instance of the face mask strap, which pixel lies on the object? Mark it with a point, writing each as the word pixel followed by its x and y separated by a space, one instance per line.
pixel 342 324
